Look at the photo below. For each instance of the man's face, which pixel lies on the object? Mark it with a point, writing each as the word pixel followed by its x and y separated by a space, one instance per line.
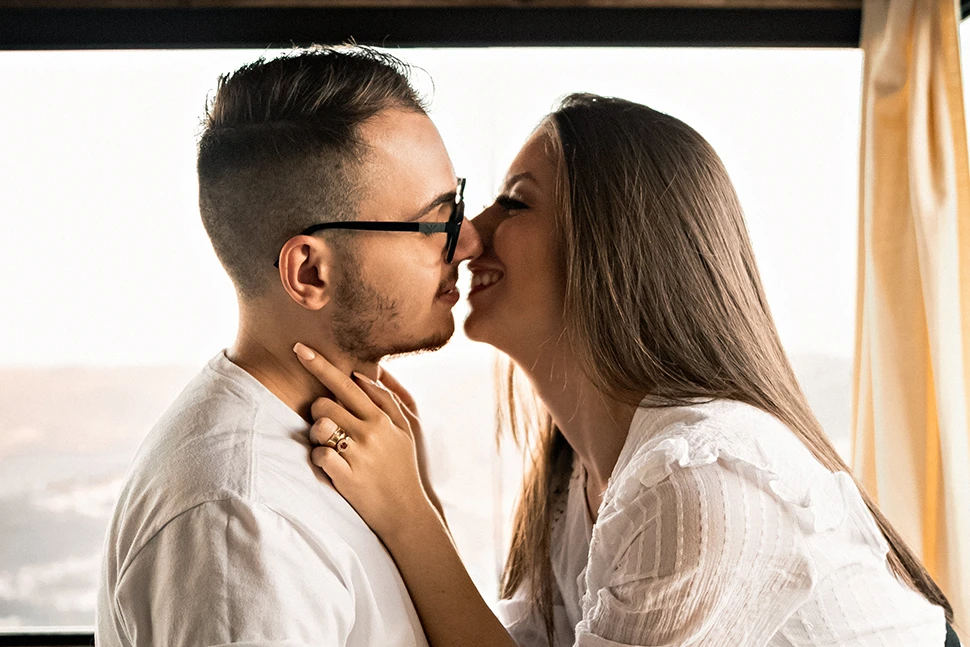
pixel 394 291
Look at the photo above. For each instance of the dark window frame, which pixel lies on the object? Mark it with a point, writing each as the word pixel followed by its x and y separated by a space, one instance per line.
pixel 48 638
pixel 180 28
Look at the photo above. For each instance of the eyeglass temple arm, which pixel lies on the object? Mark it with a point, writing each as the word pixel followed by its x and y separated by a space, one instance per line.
pixel 378 225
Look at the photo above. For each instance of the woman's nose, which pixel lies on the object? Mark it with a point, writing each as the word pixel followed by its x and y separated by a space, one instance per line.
pixel 485 223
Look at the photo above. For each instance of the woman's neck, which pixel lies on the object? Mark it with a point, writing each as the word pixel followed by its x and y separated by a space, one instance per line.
pixel 594 425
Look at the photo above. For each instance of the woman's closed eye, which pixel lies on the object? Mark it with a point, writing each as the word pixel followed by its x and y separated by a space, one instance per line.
pixel 509 203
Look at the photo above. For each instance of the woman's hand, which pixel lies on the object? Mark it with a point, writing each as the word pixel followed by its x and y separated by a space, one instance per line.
pixel 410 410
pixel 377 472
pixel 376 469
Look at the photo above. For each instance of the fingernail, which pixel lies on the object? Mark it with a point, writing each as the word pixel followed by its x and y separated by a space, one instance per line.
pixel 364 378
pixel 303 352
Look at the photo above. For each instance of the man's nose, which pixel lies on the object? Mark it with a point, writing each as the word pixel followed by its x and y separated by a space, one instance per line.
pixel 469 243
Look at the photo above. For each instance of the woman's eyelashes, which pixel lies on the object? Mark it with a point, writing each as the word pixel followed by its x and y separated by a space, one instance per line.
pixel 509 203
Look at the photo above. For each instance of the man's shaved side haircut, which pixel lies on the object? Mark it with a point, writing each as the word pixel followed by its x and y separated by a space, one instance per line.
pixel 280 150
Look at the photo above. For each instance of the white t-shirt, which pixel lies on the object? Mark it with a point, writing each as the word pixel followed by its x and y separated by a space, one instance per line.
pixel 225 534
pixel 718 527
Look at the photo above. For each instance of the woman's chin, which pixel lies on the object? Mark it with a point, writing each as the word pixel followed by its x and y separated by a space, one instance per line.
pixel 473 327
pixel 478 328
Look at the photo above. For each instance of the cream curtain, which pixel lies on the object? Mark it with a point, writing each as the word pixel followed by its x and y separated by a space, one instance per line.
pixel 911 438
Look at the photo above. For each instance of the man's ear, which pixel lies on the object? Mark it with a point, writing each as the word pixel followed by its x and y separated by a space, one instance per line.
pixel 305 271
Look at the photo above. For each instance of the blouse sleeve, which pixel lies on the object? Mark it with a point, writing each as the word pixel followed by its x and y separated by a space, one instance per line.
pixel 707 556
pixel 526 626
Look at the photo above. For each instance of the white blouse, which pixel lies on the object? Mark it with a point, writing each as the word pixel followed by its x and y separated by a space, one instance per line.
pixel 718 527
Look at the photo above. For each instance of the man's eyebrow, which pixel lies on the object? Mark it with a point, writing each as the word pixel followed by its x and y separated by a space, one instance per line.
pixel 525 175
pixel 444 198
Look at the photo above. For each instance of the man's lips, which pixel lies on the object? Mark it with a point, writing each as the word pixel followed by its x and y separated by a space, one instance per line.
pixel 448 289
pixel 449 294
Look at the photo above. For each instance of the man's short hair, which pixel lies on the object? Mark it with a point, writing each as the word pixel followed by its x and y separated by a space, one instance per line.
pixel 280 150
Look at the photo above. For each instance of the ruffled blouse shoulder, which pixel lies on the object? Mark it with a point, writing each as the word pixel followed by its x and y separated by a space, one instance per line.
pixel 664 440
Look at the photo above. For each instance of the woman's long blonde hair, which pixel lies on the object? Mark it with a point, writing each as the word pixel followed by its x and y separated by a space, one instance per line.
pixel 662 299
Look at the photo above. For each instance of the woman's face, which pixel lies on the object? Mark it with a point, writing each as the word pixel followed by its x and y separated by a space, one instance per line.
pixel 517 282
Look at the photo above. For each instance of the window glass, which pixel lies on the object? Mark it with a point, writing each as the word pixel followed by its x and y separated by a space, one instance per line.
pixel 112 297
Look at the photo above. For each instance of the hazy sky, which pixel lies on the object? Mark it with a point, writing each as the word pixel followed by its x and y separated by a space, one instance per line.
pixel 103 259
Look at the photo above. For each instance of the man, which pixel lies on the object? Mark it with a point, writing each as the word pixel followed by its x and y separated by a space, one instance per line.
pixel 224 532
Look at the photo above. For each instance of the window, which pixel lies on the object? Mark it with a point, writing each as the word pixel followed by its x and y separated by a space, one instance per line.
pixel 112 298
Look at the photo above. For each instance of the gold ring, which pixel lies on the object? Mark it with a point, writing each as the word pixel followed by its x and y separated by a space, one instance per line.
pixel 339 440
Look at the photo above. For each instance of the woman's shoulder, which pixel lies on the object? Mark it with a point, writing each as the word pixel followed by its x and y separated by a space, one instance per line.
pixel 666 438
pixel 741 440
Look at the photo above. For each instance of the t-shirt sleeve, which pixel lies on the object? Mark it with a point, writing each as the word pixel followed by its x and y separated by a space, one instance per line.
pixel 232 572
pixel 712 559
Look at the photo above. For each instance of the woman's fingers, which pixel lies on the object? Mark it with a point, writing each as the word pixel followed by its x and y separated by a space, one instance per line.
pixel 325 427
pixel 404 398
pixel 360 401
pixel 332 464
pixel 383 399
pixel 342 386
pixel 395 387
pixel 326 408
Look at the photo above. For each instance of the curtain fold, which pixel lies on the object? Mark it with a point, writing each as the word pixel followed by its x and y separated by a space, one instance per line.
pixel 911 441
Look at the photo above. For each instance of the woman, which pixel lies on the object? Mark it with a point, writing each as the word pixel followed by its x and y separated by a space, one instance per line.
pixel 682 492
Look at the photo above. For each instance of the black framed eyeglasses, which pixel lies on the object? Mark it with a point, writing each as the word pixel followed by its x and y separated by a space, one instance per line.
pixel 452 226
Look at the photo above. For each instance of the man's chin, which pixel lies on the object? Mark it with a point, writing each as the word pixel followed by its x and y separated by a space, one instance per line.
pixel 425 345
pixel 433 343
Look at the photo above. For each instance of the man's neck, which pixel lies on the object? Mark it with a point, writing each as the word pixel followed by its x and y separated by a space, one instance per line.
pixel 271 360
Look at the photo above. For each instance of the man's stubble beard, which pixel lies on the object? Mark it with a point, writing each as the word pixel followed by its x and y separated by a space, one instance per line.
pixel 367 324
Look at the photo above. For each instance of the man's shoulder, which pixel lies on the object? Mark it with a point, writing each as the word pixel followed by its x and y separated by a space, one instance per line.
pixel 204 434
pixel 203 448
pixel 213 399
pixel 261 569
